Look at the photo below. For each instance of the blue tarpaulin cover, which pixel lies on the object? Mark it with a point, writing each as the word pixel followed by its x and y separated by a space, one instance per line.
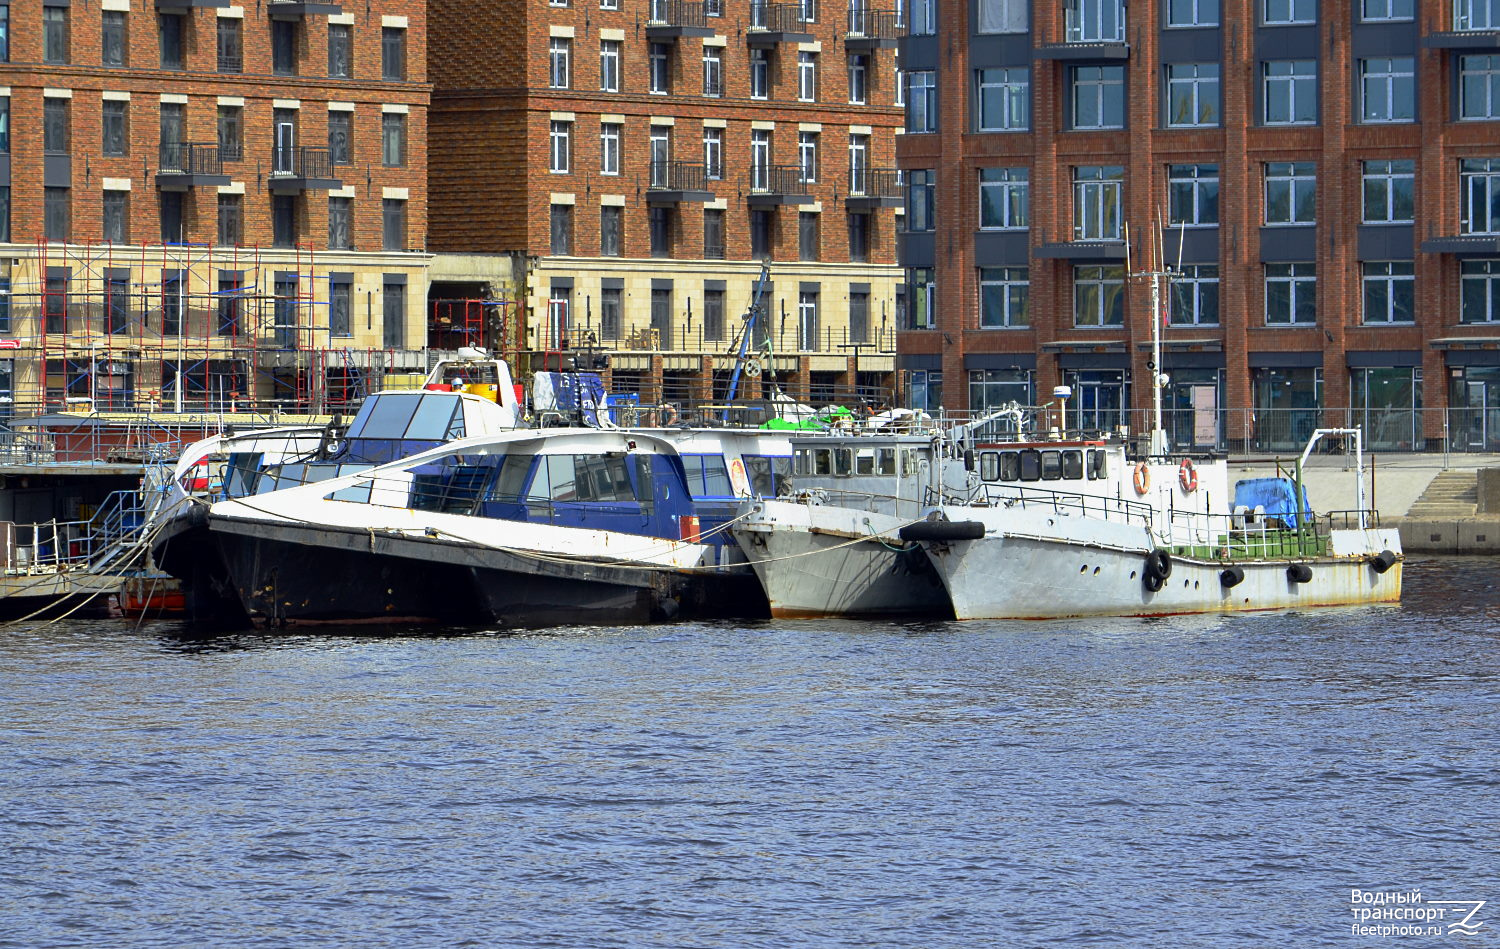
pixel 1278 496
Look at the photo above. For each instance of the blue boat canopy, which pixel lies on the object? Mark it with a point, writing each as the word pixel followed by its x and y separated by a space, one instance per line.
pixel 1277 496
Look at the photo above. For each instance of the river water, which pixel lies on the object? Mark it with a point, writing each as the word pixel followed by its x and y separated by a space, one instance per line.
pixel 1217 781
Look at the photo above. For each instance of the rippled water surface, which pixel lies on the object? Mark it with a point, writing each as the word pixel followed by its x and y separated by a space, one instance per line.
pixel 1187 782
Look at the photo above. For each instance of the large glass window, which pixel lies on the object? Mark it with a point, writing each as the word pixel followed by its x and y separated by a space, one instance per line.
pixel 1479 201
pixel 393 314
pixel 1389 292
pixel 1098 296
pixel 231 56
pixel 115 138
pixel 340 51
pixel 611 323
pixel 393 54
pixel 1098 196
pixel 1389 192
pixel 117 217
pixel 1004 297
pixel 1286 12
pixel 341 137
pixel 1372 11
pixel 1192 94
pixel 921 101
pixel 169 37
pixel 1003 16
pixel 1291 92
pixel 1480 286
pixel 808 244
pixel 920 299
pixel 55 137
pixel 1479 87
pixel 1098 97
pixel 760 159
pixel 284 47
pixel 1004 198
pixel 57 213
pixel 1476 15
pixel 1291 189
pixel 1191 13
pixel 1291 294
pixel 393 224
pixel 393 139
pixel 1195 296
pixel 611 223
pixel 231 220
pixel 1004 99
pixel 1094 21
pixel 54 35
pixel 562 230
pixel 113 45
pixel 231 133
pixel 340 306
pixel 1387 404
pixel 1193 195
pixel 713 233
pixel 923 18
pixel 921 203
pixel 341 223
pixel 1388 89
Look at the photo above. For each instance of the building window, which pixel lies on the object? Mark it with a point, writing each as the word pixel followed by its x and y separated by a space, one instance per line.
pixel 661 316
pixel 117 300
pixel 1283 12
pixel 1476 15
pixel 1004 296
pixel 660 61
pixel 284 47
pixel 340 223
pixel 1373 11
pixel 231 57
pixel 921 101
pixel 859 163
pixel 611 222
pixel 393 224
pixel 1480 283
pixel 760 73
pixel 169 205
pixel 1195 296
pixel 117 217
pixel 713 234
pixel 859 78
pixel 807 156
pixel 807 236
pixel 1193 194
pixel 1192 95
pixel 393 139
pixel 713 8
pixel 173 134
pixel 1290 192
pixel 169 36
pixel 609 148
pixel 1098 196
pixel 393 54
pixel 859 238
pixel 1390 292
pixel 562 230
pixel 559 303
pixel 762 232
pixel 611 326
pixel 1094 21
pixel 1389 192
pixel 559 59
pixel 1388 90
pixel 285 228
pixel 230 301
pixel 921 299
pixel 57 212
pixel 173 305
pixel 341 137
pixel 921 200
pixel 1192 13
pixel 1291 294
pixel 55 125
pixel 713 71
pixel 809 339
pixel 112 41
pixel 659 224
pixel 115 138
pixel 760 159
pixel 4 125
pixel 1479 86
pixel 807 76
pixel 661 155
pixel 1098 296
pixel 713 315
pixel 1098 97
pixel 4 214
pixel 1004 99
pixel 340 51
pixel 1003 16
pixel 231 133
pixel 55 299
pixel 713 154
pixel 808 10
pixel 1004 199
pixel 898 85
pixel 559 153
pixel 54 35
pixel 1479 200
pixel 393 313
pixel 609 66
pixel 923 18
pixel 859 317
pixel 231 220
pixel 340 305
pixel 1291 92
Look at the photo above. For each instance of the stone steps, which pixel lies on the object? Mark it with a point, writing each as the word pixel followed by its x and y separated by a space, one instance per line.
pixel 1452 494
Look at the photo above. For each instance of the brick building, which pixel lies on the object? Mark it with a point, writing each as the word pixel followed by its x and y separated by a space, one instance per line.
pixel 622 168
pixel 213 203
pixel 1323 176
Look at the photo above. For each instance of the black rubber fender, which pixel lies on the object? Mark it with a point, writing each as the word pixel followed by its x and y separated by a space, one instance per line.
pixel 1231 577
pixel 1299 573
pixel 1159 562
pixel 1383 561
pixel 942 530
pixel 1152 581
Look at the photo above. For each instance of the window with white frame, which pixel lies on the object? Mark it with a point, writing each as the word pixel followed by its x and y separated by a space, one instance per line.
pixel 1390 292
pixel 1378 11
pixel 559 154
pixel 1093 21
pixel 1287 12
pixel 609 65
pixel 1389 192
pixel 1004 99
pixel 1291 190
pixel 560 59
pixel 1479 291
pixel 1291 294
pixel 1004 199
pixel 1098 295
pixel 1098 97
pixel 1476 15
pixel 713 71
pixel 760 159
pixel 807 76
pixel 1004 16
pixel 807 10
pixel 859 78
pixel 859 163
pixel 1193 195
pixel 1195 296
pixel 1388 89
pixel 921 299
pixel 713 153
pixel 807 156
pixel 923 18
pixel 921 101
pixel 659 59
pixel 661 155
pixel 713 7
pixel 1290 91
pixel 1192 94
pixel 921 204
pixel 1098 196
pixel 609 4
pixel 1004 297
pixel 760 73
pixel 807 321
pixel 1479 199
pixel 1479 87
pixel 1192 13
pixel 609 148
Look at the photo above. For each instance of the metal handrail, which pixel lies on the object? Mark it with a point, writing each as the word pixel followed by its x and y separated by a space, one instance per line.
pixel 678 13
pixel 874 182
pixel 875 24
pixel 777 179
pixel 191 158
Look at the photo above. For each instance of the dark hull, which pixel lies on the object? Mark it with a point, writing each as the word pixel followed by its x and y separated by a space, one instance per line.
pixel 187 550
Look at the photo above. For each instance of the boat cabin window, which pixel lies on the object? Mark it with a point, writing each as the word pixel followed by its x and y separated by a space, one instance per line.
pixel 768 473
pixel 908 462
pixel 1072 464
pixel 822 461
pixel 586 478
pixel 989 466
pixel 1051 465
pixel 400 415
pixel 885 459
pixel 864 462
pixel 243 473
pixel 1030 465
pixel 451 490
pixel 843 462
pixel 1098 465
pixel 707 476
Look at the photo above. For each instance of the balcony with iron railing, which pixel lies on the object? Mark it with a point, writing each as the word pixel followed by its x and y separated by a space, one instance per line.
pixel 873 29
pixel 871 188
pixel 190 165
pixel 779 184
pixel 1476 26
pixel 772 23
pixel 677 182
pixel 295 169
pixel 669 19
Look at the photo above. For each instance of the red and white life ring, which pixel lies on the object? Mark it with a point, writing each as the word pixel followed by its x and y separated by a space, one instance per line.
pixel 1187 476
pixel 1142 478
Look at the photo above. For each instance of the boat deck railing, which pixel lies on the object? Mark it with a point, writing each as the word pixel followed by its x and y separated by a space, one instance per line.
pixel 1023 497
pixel 865 501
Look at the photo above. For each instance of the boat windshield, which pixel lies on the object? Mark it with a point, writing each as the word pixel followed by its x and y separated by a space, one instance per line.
pixel 436 416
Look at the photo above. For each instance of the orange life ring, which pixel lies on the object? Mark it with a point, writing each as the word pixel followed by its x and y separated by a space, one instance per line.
pixel 1187 476
pixel 1141 478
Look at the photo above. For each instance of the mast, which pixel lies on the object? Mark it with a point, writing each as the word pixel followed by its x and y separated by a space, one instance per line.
pixel 1156 274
